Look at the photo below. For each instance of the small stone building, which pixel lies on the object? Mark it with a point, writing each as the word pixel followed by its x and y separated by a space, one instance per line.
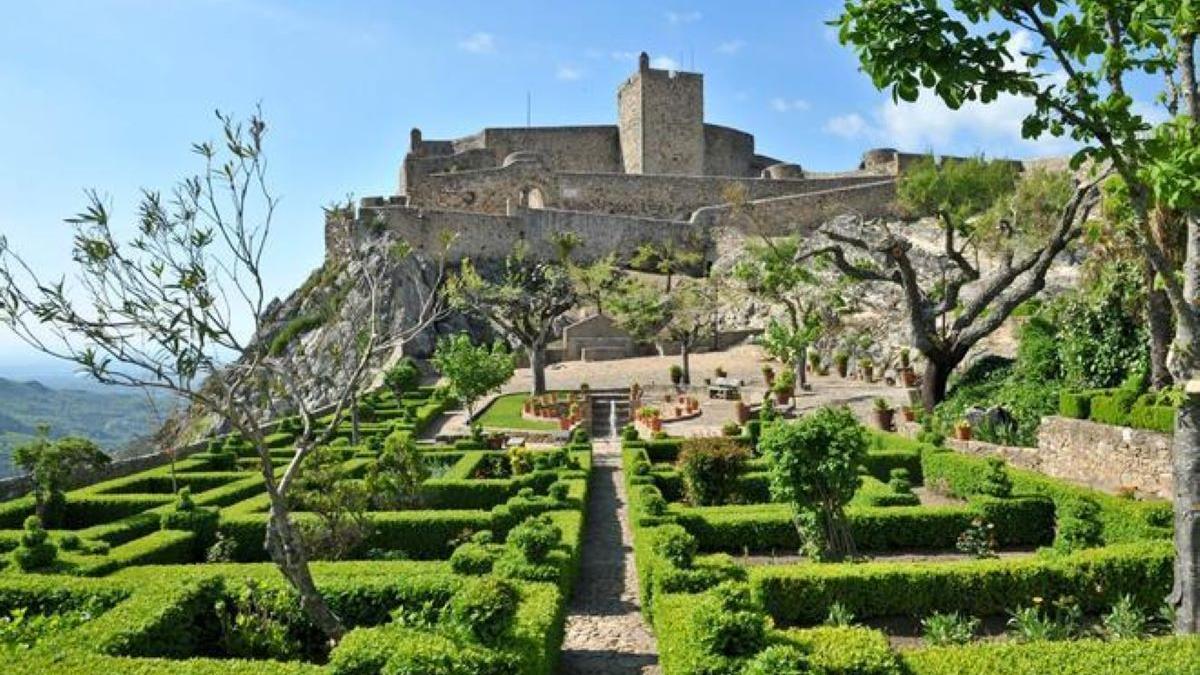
pixel 595 338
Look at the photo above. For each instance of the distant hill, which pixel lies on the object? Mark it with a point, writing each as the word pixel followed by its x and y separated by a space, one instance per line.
pixel 114 418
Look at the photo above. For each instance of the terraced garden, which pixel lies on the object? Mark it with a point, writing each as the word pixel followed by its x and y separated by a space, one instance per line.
pixel 165 570
pixel 1060 578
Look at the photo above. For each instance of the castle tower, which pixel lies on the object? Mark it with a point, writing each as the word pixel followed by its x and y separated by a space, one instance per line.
pixel 661 118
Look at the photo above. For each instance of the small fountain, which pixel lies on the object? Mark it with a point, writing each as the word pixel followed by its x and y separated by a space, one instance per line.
pixel 612 419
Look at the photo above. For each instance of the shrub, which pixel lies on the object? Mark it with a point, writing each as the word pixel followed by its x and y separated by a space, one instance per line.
pixel 675 545
pixel 996 482
pixel 676 372
pixel 813 465
pixel 730 429
pixel 188 517
pixel 484 610
pixel 1125 620
pixel 779 660
pixel 978 540
pixel 629 433
pixel 535 538
pixel 1146 415
pixel 899 482
pixel 558 491
pixel 652 501
pixel 1075 404
pixel 940 629
pixel 726 632
pixel 395 476
pixel 1078 524
pixel 710 468
pixel 34 551
pixel 473 559
pixel 402 377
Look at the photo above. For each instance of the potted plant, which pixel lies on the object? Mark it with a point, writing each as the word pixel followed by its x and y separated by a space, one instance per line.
pixel 909 413
pixel 841 362
pixel 720 372
pixel 769 375
pixel 585 388
pixel 784 385
pixel 742 411
pixel 731 429
pixel 867 367
pixel 564 423
pixel 814 361
pixel 676 374
pixel 962 430
pixel 884 414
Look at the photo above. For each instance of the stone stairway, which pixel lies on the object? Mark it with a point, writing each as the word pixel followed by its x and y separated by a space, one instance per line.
pixel 610 412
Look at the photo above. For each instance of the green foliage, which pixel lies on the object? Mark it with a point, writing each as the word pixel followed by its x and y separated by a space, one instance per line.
pixel 940 629
pixel 402 377
pixel 340 505
pixel 813 465
pixel 978 540
pixel 675 545
pixel 1035 623
pixel 473 559
pixel 1125 621
pixel 954 191
pixel 50 464
pixel 779 660
pixel 186 516
pixel 485 609
pixel 472 371
pixel 710 468
pixel 535 538
pixel 729 632
pixel 34 552
pixel 395 476
pixel 254 622
pixel 1078 525
pixel 1102 334
pixel 995 482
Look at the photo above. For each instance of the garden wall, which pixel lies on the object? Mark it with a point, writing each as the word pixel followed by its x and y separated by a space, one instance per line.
pixel 1101 456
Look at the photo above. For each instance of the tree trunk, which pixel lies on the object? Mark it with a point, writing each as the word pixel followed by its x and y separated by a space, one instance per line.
pixel 354 420
pixel 537 367
pixel 684 354
pixel 801 366
pixel 286 550
pixel 1185 596
pixel 1158 316
pixel 935 380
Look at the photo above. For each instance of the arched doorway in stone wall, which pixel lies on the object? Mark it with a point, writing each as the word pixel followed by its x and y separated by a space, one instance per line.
pixel 532 197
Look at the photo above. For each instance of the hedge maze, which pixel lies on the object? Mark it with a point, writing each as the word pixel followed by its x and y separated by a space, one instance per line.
pixel 165 570
pixel 725 593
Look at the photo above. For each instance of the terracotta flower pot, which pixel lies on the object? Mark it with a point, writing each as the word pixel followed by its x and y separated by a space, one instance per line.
pixel 908 377
pixel 564 423
pixel 782 397
pixel 656 424
pixel 962 433
pixel 743 412
pixel 908 414
pixel 884 418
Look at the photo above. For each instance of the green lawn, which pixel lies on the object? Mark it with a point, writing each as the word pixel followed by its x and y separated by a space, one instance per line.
pixel 505 413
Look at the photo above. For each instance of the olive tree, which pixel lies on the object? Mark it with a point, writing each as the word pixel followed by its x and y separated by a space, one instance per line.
pixel 953 306
pixel 180 305
pixel 1075 70
pixel 683 314
pixel 524 302
pixel 50 464
pixel 813 466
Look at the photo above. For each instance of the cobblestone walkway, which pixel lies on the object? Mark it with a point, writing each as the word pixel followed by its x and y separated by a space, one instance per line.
pixel 606 634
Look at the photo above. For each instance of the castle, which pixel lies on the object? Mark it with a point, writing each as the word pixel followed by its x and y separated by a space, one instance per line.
pixel 660 174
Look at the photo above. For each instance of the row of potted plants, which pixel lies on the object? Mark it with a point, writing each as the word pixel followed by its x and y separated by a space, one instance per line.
pixel 568 412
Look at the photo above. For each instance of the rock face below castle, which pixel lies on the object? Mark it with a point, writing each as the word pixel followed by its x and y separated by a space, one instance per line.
pixel 659 174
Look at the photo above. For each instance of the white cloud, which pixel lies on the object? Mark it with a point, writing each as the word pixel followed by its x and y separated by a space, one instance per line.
pixel 568 73
pixel 731 47
pixel 664 63
pixel 478 43
pixel 780 104
pixel 623 56
pixel 677 18
pixel 848 126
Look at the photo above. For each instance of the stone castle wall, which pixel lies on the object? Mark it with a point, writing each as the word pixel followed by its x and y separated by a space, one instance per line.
pixel 777 216
pixel 653 196
pixel 492 237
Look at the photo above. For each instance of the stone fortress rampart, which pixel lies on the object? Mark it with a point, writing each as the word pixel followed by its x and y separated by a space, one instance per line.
pixel 660 174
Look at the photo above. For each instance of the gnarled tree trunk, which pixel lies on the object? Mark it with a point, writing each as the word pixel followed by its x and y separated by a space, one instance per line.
pixel 537 368
pixel 284 546
pixel 1185 596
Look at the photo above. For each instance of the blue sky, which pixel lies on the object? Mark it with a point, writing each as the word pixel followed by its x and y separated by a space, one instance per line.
pixel 109 94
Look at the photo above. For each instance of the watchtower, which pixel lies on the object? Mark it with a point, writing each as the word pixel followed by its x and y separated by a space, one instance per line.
pixel 660 114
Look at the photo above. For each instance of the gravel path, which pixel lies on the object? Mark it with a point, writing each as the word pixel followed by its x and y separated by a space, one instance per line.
pixel 605 633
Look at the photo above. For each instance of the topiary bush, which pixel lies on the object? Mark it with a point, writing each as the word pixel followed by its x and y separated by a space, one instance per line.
pixel 675 545
pixel 484 610
pixel 710 468
pixel 535 538
pixel 779 660
pixel 188 517
pixel 996 482
pixel 473 559
pixel 653 503
pixel 1078 524
pixel 34 551
pixel 729 632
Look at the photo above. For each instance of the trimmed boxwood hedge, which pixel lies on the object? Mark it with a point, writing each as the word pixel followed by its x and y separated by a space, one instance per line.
pixel 1157 656
pixel 1096 578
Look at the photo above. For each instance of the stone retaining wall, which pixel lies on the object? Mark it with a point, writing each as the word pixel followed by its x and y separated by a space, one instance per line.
pixel 1100 456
